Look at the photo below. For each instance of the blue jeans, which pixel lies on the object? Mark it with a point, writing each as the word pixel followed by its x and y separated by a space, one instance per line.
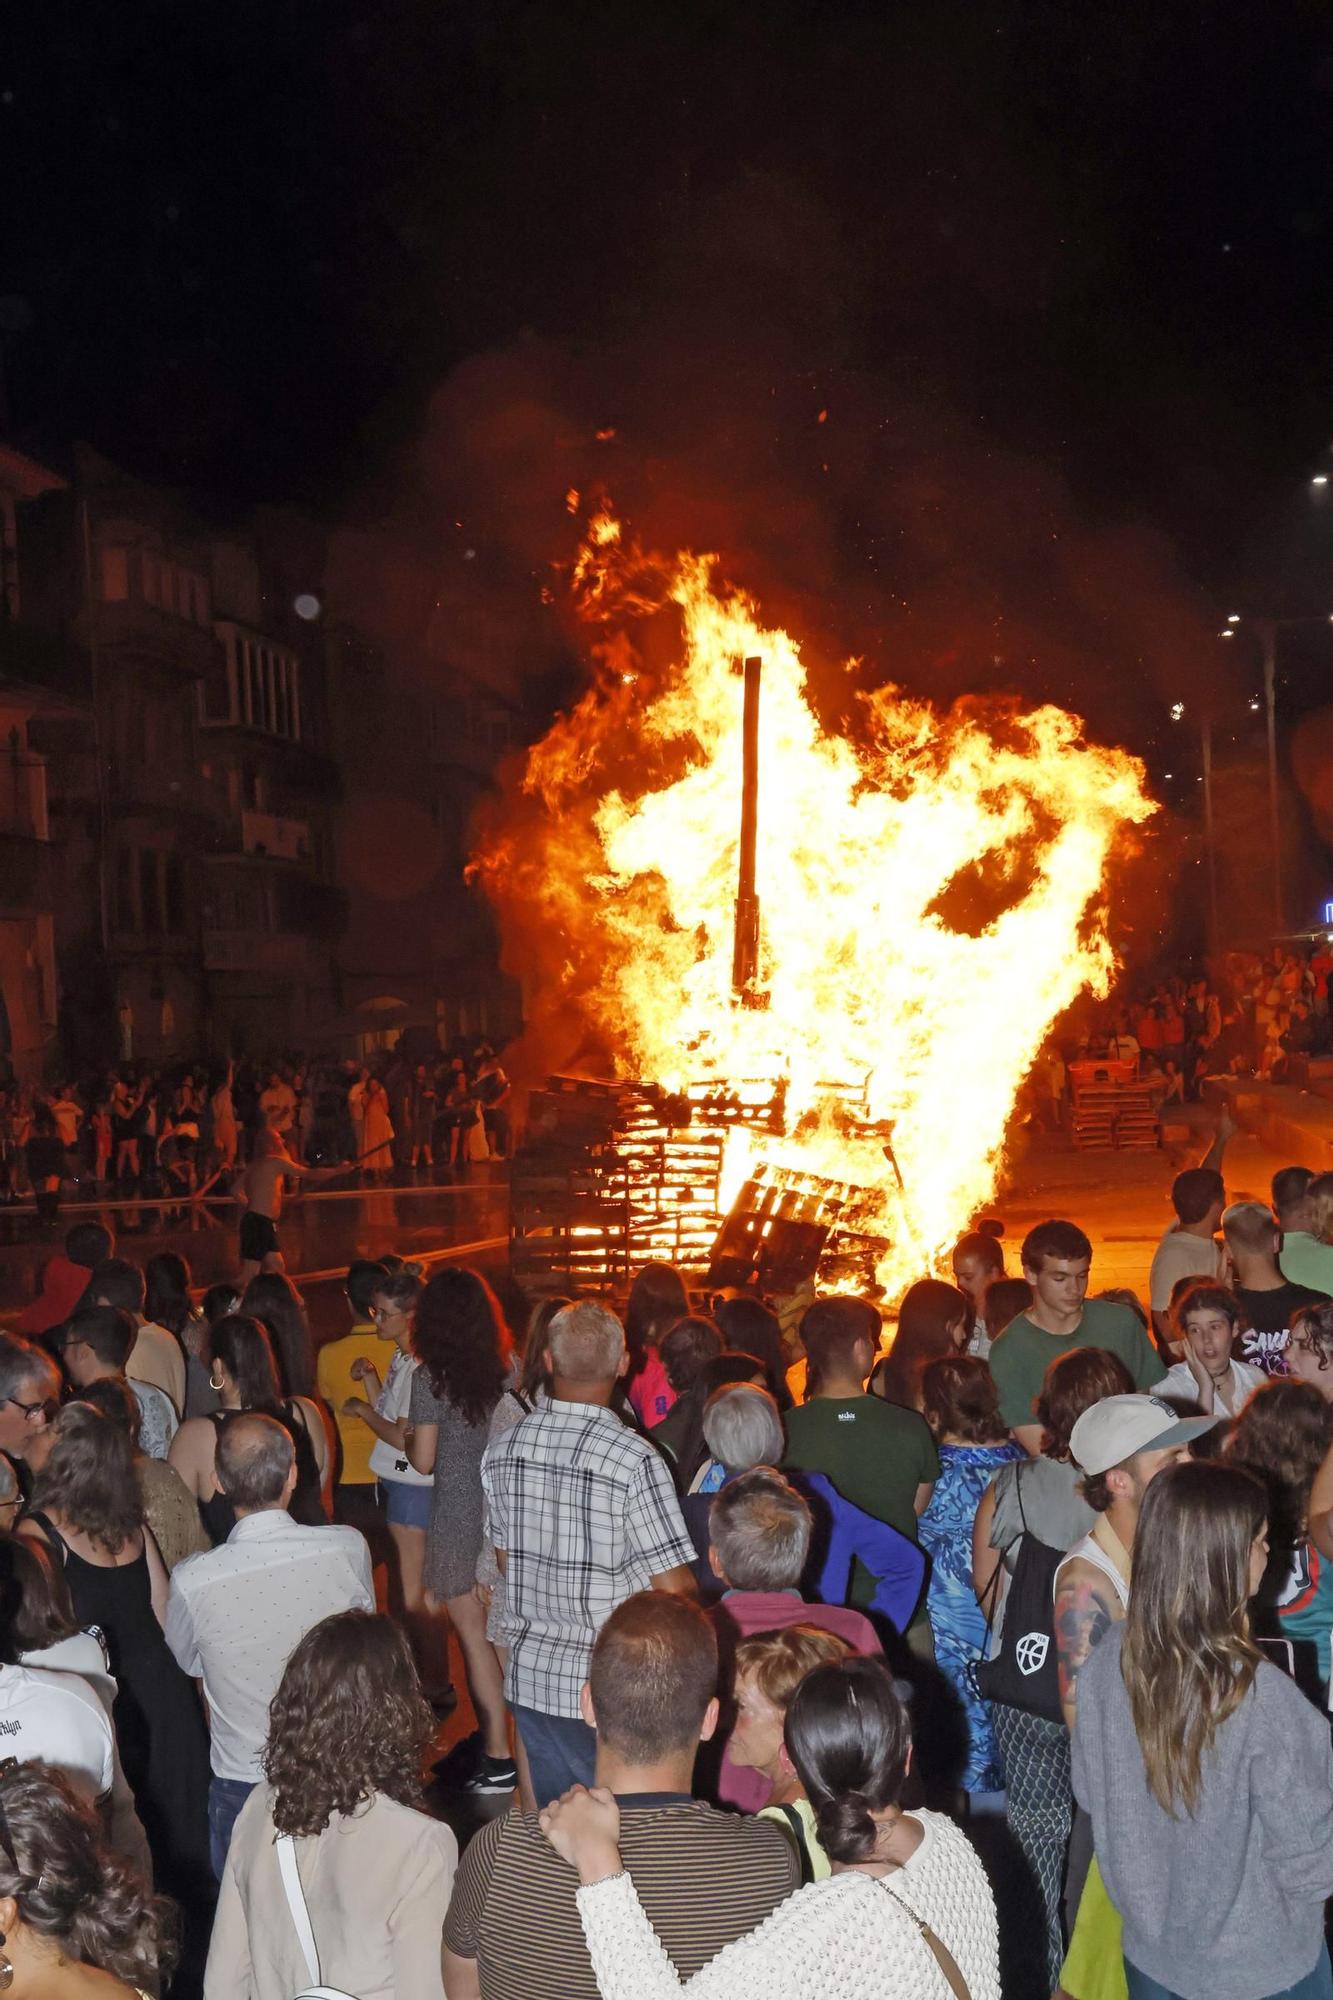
pixel 226 1796
pixel 562 1751
pixel 1316 1985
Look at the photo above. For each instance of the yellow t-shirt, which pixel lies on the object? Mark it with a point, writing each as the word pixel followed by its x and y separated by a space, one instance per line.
pixel 333 1375
pixel 814 1862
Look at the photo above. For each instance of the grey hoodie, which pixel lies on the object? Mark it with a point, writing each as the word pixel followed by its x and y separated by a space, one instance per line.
pixel 1228 1905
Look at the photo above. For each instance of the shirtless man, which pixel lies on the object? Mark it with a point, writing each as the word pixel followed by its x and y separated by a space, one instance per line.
pixel 259 1186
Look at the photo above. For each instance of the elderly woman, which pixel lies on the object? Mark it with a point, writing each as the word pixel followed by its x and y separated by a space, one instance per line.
pixel 741 1429
pixel 337 1836
pixel 770 1666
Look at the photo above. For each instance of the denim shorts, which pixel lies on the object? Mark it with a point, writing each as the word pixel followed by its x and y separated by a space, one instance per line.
pixel 406 1506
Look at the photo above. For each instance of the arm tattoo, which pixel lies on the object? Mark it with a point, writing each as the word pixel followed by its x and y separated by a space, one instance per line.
pixel 1082 1619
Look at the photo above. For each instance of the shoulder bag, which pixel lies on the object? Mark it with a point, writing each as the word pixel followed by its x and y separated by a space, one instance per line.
pixel 296 1903
pixel 936 1946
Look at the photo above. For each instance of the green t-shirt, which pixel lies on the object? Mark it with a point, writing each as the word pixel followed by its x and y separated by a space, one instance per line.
pixel 1022 1354
pixel 875 1453
pixel 1307 1261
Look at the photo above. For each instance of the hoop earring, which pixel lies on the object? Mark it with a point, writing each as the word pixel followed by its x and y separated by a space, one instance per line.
pixel 6 1969
pixel 216 1387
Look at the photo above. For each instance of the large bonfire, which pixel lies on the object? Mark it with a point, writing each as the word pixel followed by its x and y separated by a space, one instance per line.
pixel 931 888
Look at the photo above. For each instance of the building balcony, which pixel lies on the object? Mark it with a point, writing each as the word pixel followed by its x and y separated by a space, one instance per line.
pixel 27 875
pixel 139 631
pixel 274 952
pixel 278 838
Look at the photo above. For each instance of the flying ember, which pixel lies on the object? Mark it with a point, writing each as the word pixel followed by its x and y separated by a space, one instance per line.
pixel 930 892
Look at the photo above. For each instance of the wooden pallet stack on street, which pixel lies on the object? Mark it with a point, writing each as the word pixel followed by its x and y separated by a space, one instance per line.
pixel 1136 1124
pixel 1094 1118
pixel 1112 1110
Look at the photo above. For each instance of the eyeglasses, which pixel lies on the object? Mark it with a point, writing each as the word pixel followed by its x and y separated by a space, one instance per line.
pixel 46 1411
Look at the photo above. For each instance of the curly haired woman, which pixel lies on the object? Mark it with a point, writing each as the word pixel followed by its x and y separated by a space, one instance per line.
pixel 76 1922
pixel 347 1735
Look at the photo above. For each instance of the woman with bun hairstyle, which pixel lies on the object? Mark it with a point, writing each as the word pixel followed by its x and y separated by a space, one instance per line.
pixel 906 1911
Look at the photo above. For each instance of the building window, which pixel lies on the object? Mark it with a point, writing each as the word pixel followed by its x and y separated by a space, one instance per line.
pixel 175 895
pixel 115 575
pixel 150 889
pixel 126 913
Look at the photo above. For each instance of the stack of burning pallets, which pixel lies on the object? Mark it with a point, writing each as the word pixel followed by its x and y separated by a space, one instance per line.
pixel 612 1175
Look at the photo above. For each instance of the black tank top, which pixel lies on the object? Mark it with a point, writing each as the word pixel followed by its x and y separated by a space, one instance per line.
pixel 307 1502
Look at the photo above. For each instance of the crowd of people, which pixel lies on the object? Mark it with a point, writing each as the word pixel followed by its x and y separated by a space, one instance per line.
pixel 169 1131
pixel 992 1646
pixel 1252 1013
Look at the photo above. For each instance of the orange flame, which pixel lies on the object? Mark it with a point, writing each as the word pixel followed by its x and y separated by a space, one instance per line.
pixel 870 855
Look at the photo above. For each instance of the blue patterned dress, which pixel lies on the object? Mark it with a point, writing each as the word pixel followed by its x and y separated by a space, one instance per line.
pixel 956 1619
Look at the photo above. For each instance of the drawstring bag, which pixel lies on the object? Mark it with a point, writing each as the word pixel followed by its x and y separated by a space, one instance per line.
pixel 1023 1673
pixel 296 1903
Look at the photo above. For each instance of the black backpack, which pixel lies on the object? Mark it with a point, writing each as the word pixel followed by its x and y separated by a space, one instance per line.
pixel 1024 1673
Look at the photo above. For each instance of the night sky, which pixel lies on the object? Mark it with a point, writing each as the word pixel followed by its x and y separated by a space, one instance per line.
pixel 244 241
pixel 1059 277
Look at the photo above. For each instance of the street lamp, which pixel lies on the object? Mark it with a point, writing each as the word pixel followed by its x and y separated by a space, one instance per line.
pixel 1268 629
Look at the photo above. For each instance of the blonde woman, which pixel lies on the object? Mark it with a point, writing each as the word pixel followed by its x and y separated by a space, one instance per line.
pixel 769 1669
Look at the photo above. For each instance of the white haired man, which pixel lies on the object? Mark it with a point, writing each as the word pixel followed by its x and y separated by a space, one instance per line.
pixel 582 1514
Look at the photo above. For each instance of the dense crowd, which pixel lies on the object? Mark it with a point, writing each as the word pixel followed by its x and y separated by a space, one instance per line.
pixel 171 1131
pixel 1251 1013
pixel 990 1649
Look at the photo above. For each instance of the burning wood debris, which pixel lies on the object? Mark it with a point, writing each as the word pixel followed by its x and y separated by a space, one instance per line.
pixel 835 956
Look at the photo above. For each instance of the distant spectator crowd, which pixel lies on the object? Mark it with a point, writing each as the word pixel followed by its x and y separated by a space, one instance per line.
pixel 165 1131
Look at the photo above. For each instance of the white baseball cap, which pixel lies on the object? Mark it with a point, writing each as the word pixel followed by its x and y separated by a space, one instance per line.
pixel 1117 1427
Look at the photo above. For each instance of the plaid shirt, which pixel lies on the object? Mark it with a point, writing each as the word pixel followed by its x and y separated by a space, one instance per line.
pixel 585 1512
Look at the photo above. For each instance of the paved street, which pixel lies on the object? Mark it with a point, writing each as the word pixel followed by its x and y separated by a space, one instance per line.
pixel 1120 1198
pixel 321 1234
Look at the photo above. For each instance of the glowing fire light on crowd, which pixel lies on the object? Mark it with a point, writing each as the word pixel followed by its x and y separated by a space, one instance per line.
pixel 931 892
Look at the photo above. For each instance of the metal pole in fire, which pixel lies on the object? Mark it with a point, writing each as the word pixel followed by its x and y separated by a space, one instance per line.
pixel 745 956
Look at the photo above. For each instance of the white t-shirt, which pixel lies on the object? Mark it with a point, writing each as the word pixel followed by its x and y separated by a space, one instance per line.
pixel 1179 1382
pixel 57 1717
pixel 83 1653
pixel 1181 1254
pixel 393 1403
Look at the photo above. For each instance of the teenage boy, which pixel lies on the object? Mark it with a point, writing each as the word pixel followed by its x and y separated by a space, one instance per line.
pixel 1057 1258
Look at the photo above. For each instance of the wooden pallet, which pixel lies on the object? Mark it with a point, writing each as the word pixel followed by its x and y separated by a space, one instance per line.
pixel 612 1175
pixel 1114 1116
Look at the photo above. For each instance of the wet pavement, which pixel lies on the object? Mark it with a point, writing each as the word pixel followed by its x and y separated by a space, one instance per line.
pixel 1121 1199
pixel 321 1234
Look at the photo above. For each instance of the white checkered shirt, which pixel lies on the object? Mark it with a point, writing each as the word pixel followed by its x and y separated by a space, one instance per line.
pixel 586 1513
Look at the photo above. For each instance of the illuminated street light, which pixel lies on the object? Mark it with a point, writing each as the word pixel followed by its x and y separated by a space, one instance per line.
pixel 1177 710
pixel 1233 618
pixel 1320 479
pixel 1227 633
